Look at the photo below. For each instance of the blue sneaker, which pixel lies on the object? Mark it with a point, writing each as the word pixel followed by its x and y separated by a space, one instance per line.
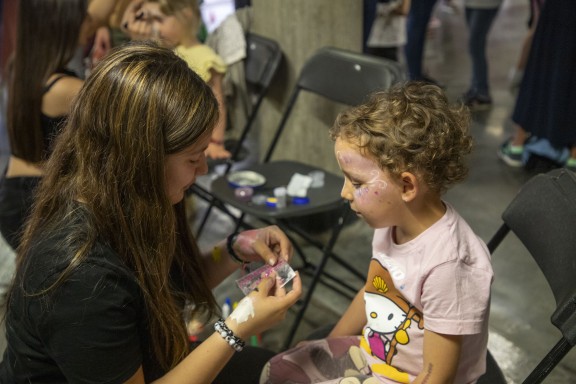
pixel 511 154
pixel 570 164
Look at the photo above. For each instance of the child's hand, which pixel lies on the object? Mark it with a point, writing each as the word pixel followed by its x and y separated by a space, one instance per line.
pixel 217 151
pixel 266 244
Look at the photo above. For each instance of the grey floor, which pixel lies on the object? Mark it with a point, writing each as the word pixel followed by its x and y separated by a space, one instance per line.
pixel 520 328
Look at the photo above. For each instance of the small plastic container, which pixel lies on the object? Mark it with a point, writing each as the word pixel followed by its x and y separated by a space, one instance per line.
pixel 259 199
pixel 244 193
pixel 317 179
pixel 296 200
pixel 280 194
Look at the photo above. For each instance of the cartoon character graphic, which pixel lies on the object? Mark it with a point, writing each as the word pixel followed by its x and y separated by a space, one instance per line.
pixel 389 318
pixel 385 320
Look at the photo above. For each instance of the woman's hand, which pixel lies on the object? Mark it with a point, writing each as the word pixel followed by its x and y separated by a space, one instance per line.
pixel 268 244
pixel 265 307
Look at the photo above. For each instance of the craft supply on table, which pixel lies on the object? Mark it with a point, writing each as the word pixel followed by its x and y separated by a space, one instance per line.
pixel 244 193
pixel 246 179
pixel 250 281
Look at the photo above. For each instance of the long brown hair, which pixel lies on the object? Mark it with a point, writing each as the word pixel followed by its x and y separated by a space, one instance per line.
pixel 140 104
pixel 46 39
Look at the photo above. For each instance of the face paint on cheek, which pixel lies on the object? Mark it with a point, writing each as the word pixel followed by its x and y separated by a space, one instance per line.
pixel 374 186
pixel 243 311
pixel 365 169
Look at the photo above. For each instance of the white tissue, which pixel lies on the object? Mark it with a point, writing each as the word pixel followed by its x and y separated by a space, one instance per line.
pixel 298 185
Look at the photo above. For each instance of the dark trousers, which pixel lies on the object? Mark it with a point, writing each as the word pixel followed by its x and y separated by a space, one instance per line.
pixel 244 367
pixel 16 197
pixel 416 27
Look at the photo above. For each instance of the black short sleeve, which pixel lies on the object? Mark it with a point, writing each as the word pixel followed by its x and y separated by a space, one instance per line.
pixel 91 325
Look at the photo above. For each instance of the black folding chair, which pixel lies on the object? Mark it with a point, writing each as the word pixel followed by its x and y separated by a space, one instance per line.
pixel 340 76
pixel 263 58
pixel 543 217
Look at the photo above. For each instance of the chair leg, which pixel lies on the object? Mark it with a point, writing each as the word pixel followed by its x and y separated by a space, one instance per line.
pixel 549 361
pixel 497 238
pixel 204 219
pixel 326 253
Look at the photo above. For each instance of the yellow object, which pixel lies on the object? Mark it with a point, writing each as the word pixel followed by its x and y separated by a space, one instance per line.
pixel 201 59
pixel 216 254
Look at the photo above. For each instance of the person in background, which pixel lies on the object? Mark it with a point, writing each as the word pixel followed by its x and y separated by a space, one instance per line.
pixel 422 316
pixel 40 92
pixel 480 15
pixel 516 72
pixel 387 33
pixel 545 110
pixel 175 24
pixel 107 262
pixel 416 28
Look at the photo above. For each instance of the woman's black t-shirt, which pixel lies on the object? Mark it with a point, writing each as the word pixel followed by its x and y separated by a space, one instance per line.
pixel 91 329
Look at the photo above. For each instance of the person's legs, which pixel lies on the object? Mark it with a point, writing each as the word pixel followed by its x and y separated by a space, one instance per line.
pixel 16 196
pixel 479 22
pixel 416 27
pixel 512 150
pixel 245 367
pixel 571 162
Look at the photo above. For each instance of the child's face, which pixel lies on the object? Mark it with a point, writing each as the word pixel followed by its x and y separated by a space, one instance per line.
pixel 370 190
pixel 167 30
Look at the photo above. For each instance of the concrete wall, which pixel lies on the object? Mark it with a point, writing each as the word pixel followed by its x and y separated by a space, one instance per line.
pixel 301 27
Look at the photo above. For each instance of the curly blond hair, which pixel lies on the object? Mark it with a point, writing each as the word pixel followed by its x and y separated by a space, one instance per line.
pixel 411 127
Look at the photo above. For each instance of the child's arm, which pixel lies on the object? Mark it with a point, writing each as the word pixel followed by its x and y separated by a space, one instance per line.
pixel 441 356
pixel 353 320
pixel 216 148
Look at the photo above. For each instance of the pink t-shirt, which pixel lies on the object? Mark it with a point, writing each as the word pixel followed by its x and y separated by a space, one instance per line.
pixel 438 281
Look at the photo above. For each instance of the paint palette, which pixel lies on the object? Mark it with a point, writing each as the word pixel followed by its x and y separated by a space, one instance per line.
pixel 250 281
pixel 246 179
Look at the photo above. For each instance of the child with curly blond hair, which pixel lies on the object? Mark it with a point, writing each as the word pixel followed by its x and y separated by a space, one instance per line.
pixel 422 315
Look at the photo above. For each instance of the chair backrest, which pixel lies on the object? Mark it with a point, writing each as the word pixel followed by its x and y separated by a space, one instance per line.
pixel 342 76
pixel 347 77
pixel 543 217
pixel 263 58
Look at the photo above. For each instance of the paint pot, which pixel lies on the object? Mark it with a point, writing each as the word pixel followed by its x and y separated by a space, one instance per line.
pixel 296 200
pixel 317 179
pixel 259 199
pixel 280 194
pixel 244 193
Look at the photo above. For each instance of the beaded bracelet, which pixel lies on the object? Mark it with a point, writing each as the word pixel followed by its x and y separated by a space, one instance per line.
pixel 235 342
pixel 229 242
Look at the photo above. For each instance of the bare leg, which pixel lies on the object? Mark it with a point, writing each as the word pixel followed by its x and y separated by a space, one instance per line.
pixel 520 136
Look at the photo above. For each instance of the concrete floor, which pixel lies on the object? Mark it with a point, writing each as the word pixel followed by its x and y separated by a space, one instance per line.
pixel 520 328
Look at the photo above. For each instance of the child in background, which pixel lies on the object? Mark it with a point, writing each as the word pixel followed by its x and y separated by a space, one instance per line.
pixel 175 24
pixel 423 313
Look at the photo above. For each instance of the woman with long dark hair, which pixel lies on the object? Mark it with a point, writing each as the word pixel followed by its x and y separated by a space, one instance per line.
pixel 107 260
